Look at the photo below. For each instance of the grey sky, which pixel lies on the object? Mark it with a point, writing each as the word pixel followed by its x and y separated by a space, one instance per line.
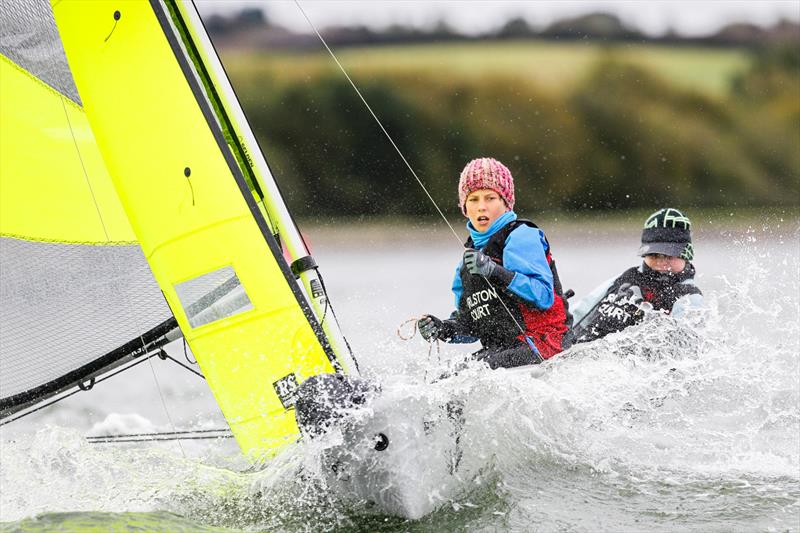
pixel 475 16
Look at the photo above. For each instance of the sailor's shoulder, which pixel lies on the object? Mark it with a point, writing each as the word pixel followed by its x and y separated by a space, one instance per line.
pixel 525 230
pixel 520 231
pixel 629 275
pixel 524 222
pixel 689 287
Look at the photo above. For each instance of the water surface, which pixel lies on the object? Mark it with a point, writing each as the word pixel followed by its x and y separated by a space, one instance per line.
pixel 666 427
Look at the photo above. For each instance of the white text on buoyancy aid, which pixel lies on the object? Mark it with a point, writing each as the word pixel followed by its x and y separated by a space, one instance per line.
pixel 618 306
pixel 478 305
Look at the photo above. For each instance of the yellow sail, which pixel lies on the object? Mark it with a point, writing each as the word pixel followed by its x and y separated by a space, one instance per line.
pixel 192 211
pixel 53 183
pixel 78 297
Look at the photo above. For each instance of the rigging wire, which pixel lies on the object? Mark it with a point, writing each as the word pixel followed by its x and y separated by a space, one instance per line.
pixel 163 355
pixel 399 152
pixel 380 124
pixel 164 404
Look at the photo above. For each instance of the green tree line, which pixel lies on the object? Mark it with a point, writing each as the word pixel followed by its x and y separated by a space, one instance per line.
pixel 623 138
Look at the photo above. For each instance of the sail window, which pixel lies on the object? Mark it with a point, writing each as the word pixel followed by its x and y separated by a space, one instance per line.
pixel 213 296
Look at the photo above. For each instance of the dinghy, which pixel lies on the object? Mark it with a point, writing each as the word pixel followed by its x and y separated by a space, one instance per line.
pixel 137 209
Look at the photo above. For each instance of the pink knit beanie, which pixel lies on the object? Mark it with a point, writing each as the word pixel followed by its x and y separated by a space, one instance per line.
pixel 485 173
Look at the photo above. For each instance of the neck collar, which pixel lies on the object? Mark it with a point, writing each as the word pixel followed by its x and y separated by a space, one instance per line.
pixel 479 239
pixel 655 276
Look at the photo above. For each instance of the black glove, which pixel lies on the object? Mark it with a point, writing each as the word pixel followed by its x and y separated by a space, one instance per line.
pixel 429 327
pixel 479 263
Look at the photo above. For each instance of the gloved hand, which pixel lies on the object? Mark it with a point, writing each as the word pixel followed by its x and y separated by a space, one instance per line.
pixel 429 327
pixel 478 262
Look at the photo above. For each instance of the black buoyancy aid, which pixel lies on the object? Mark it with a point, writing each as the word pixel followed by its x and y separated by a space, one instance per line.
pixel 485 316
pixel 622 304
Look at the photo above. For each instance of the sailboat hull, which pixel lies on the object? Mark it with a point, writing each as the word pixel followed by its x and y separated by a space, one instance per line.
pixel 398 458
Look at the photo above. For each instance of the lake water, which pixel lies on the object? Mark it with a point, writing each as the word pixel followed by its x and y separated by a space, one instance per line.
pixel 660 428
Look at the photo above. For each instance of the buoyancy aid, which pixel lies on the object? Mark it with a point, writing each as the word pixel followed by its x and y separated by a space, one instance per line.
pixel 627 298
pixel 481 309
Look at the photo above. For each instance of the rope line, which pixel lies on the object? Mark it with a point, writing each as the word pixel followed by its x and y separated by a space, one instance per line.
pixel 431 343
pixel 380 124
pixel 186 353
pixel 328 305
pixel 399 152
pixel 412 320
pixel 164 404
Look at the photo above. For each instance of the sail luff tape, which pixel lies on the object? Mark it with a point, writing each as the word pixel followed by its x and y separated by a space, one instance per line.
pixel 303 264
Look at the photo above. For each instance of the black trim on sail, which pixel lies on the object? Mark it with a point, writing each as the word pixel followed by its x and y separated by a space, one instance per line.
pixel 130 350
pixel 164 20
pixel 227 120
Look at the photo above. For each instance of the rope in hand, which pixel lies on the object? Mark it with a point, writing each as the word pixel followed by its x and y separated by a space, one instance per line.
pixel 431 343
pixel 413 321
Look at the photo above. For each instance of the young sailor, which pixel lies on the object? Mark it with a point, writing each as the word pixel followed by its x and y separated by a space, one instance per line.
pixel 664 281
pixel 506 287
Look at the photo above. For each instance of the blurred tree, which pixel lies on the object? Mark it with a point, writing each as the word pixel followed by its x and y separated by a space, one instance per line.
pixel 624 137
pixel 516 28
pixel 250 17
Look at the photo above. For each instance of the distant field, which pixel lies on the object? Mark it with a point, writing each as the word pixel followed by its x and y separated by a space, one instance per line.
pixel 552 66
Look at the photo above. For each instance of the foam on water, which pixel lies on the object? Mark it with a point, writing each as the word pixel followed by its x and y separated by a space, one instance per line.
pixel 690 426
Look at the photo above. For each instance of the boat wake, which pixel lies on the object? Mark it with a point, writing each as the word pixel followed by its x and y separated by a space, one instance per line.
pixel 687 422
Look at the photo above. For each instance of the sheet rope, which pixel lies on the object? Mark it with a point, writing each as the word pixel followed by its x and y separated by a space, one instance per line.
pixel 397 149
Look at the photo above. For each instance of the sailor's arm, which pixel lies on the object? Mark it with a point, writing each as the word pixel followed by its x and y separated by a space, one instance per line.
pixel 688 304
pixel 524 257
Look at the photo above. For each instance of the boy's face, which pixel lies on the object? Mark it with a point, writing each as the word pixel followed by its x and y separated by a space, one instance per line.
pixel 484 206
pixel 665 263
